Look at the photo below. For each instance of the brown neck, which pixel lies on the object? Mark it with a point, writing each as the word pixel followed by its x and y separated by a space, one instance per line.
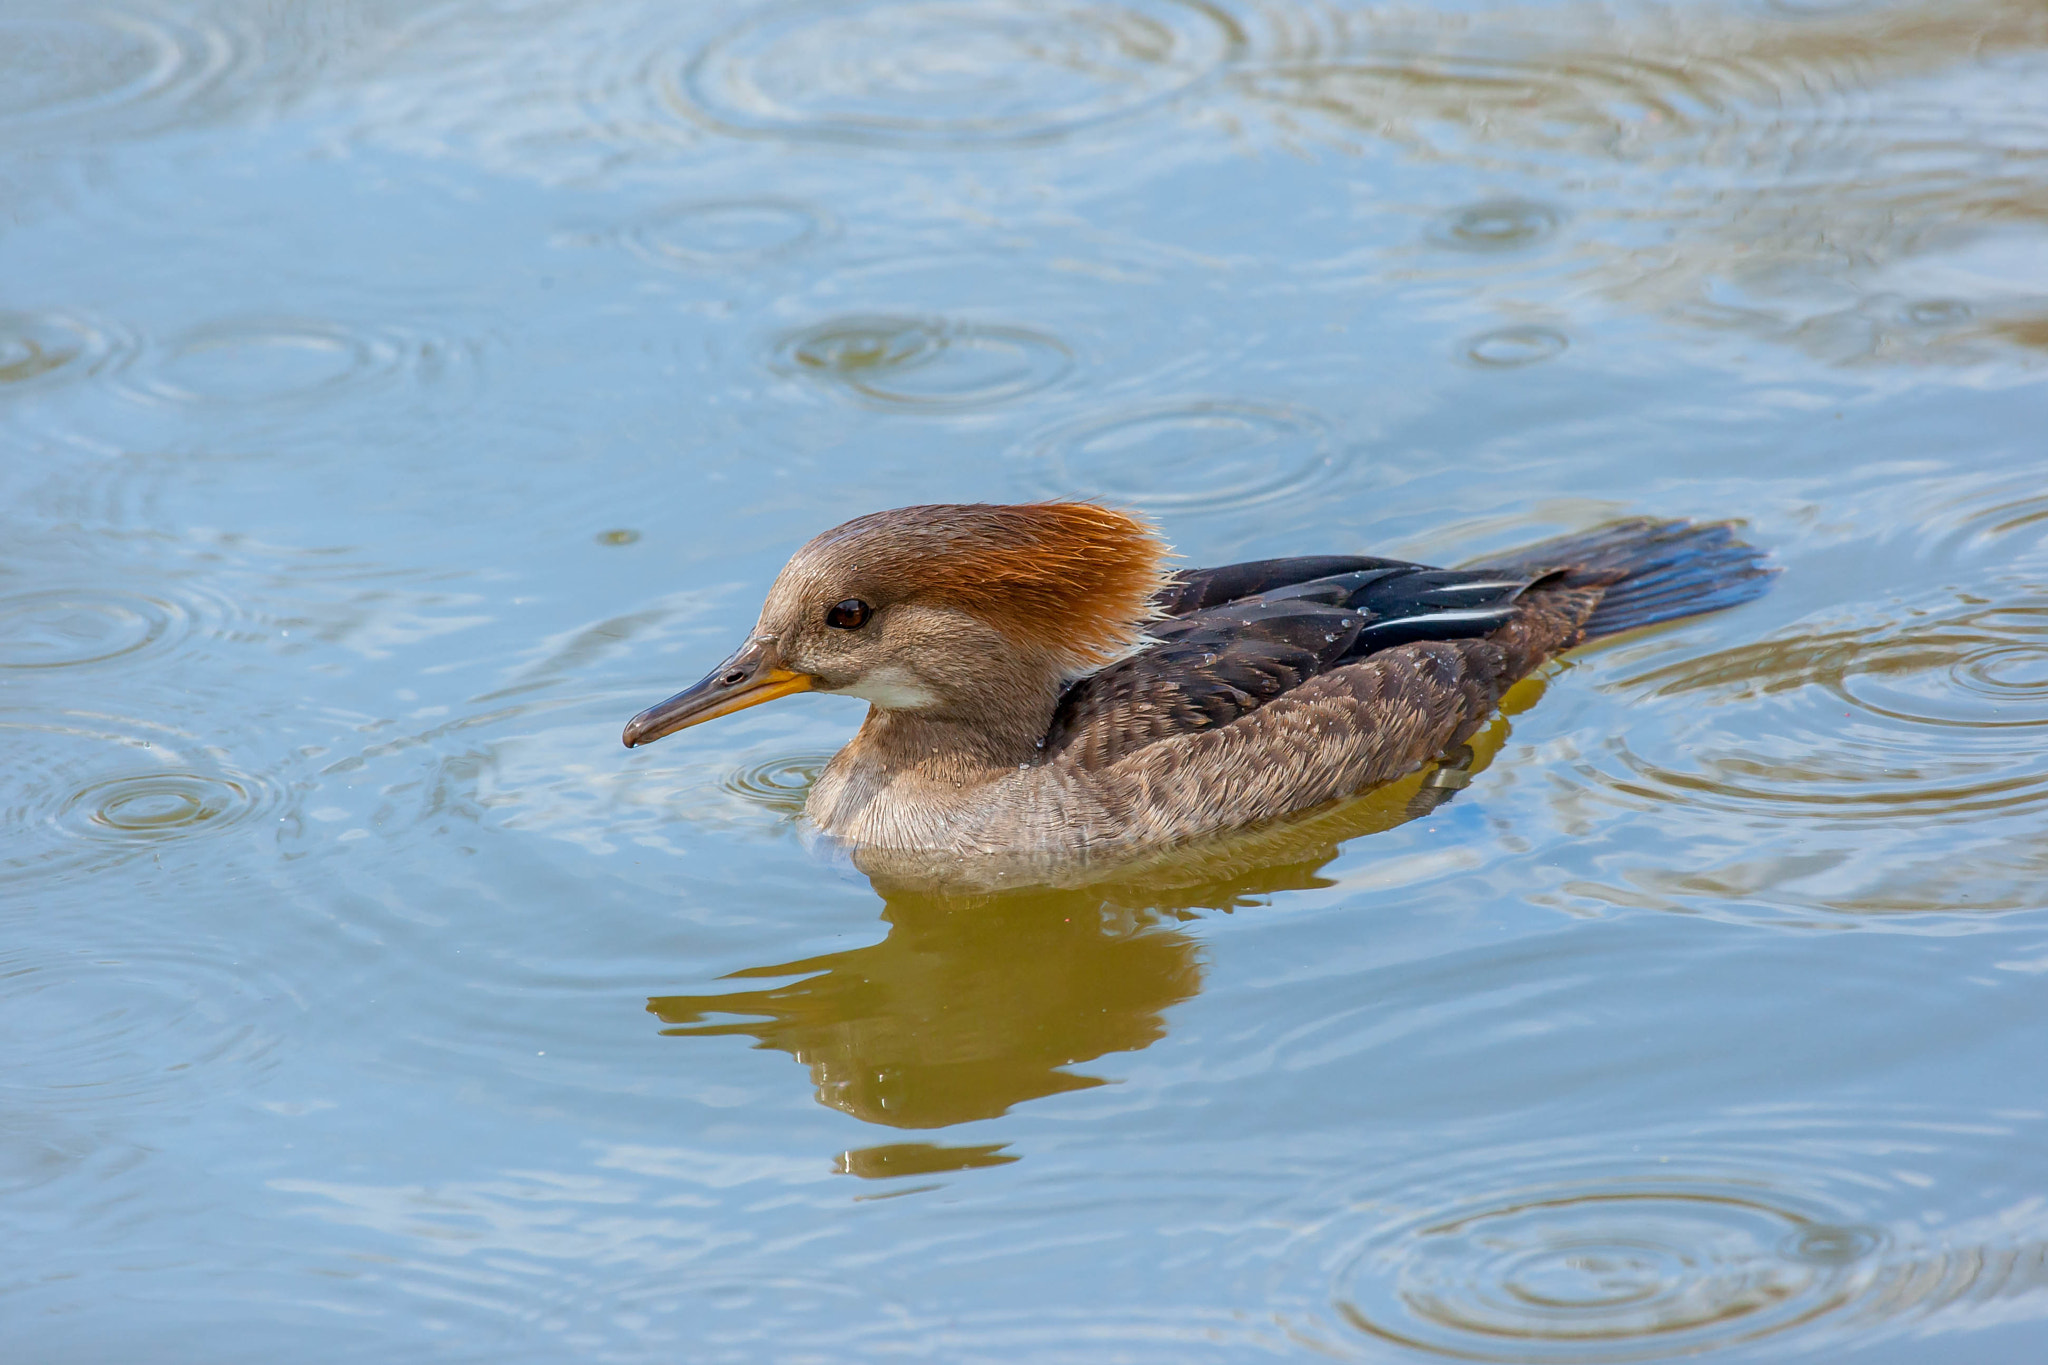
pixel 958 747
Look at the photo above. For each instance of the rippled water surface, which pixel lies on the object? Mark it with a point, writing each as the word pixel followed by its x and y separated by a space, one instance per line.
pixel 394 398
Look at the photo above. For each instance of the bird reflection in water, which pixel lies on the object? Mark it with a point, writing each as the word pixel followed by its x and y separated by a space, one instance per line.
pixel 979 1000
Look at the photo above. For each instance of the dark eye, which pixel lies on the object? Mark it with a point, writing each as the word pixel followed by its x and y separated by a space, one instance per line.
pixel 851 614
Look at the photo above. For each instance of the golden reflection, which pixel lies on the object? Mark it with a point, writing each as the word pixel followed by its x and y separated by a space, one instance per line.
pixel 981 999
pixel 970 1005
pixel 919 1158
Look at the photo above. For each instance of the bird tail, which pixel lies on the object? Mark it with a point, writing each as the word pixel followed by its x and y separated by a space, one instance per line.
pixel 1647 571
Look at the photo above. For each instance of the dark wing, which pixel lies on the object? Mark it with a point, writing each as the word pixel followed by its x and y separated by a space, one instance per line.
pixel 1237 637
pixel 1193 590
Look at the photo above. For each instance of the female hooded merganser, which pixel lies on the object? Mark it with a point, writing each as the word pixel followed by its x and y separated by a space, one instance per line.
pixel 1041 685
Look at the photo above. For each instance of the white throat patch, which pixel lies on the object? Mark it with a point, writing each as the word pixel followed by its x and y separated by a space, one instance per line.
pixel 890 688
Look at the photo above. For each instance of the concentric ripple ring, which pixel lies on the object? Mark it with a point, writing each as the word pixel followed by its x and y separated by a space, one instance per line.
pixel 131 1026
pixel 1512 347
pixel 1603 1273
pixel 80 63
pixel 779 784
pixel 276 362
pixel 950 71
pixel 725 232
pixel 1944 695
pixel 1206 455
pixel 82 791
pixel 1497 225
pixel 57 628
pixel 926 363
pixel 41 349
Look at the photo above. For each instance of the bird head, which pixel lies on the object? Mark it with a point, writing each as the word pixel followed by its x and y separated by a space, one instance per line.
pixel 966 612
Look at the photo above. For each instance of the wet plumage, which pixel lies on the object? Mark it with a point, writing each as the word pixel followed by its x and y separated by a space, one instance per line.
pixel 1040 686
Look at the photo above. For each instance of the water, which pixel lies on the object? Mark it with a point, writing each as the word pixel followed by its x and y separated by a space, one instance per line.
pixel 394 399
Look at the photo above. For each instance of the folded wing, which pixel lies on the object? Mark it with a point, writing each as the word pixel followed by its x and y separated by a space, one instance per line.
pixel 1236 637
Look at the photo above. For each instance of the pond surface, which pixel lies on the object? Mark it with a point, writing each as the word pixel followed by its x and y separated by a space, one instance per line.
pixel 394 398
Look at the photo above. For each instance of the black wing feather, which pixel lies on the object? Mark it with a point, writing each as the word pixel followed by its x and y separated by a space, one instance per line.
pixel 1193 590
pixel 1238 636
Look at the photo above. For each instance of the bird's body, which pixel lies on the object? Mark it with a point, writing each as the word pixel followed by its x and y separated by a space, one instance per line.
pixel 1041 688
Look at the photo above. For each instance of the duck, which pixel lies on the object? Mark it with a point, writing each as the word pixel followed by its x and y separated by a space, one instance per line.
pixel 1042 684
